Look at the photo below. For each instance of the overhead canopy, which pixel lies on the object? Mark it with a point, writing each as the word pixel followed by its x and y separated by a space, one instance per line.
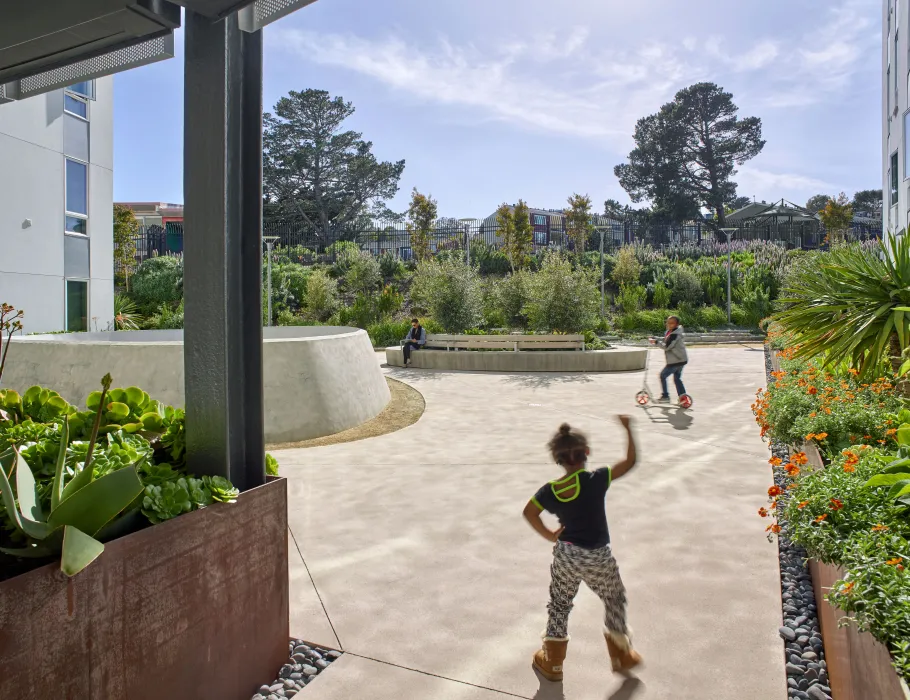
pixel 49 44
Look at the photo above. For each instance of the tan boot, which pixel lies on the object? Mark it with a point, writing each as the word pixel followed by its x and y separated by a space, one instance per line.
pixel 548 660
pixel 622 655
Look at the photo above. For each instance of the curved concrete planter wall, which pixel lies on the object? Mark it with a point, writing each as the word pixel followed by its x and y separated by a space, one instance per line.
pixel 319 380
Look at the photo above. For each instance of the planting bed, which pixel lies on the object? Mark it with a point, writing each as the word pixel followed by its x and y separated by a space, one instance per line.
pixel 305 662
pixel 804 649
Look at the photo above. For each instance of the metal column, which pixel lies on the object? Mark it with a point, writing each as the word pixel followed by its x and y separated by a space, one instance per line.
pixel 223 256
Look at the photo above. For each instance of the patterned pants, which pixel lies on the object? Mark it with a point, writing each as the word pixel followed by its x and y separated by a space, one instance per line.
pixel 597 568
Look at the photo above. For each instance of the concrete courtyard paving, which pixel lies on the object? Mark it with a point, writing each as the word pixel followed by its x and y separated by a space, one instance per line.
pixel 409 551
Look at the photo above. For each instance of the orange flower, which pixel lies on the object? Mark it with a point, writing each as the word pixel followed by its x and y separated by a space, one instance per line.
pixel 799 458
pixel 813 414
pixel 821 436
pixel 775 528
pixel 775 461
pixel 867 437
pixel 848 587
pixel 854 372
pixel 810 436
pixel 849 468
pixel 836 505
pixel 775 491
pixel 879 528
pixel 812 390
pixel 891 431
pixel 895 562
pixel 822 517
pixel 792 486
pixel 802 505
pixel 826 410
pixel 792 470
pixel 763 512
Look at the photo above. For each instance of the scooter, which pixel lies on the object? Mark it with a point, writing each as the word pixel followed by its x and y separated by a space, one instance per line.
pixel 643 397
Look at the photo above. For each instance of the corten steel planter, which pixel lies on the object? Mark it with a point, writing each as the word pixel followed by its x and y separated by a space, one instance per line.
pixel 196 607
pixel 859 667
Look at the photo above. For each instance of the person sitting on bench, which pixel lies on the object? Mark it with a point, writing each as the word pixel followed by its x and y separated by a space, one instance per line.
pixel 416 339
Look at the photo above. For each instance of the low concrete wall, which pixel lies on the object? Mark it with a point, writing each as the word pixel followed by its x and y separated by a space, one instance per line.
pixel 613 360
pixel 318 381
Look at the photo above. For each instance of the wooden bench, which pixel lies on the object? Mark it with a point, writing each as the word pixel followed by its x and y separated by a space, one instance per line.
pixel 530 353
pixel 441 341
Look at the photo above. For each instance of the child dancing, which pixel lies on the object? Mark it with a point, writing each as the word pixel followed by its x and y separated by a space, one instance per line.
pixel 582 551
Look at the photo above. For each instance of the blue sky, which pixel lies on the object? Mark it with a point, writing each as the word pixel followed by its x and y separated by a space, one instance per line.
pixel 494 100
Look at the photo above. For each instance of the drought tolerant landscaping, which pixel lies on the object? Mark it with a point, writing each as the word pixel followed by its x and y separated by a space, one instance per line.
pixel 842 347
pixel 71 479
pixel 548 291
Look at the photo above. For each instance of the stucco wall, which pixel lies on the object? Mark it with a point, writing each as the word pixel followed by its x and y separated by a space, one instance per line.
pixel 318 380
pixel 32 201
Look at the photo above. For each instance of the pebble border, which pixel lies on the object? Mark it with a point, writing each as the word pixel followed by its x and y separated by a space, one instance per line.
pixel 305 662
pixel 804 649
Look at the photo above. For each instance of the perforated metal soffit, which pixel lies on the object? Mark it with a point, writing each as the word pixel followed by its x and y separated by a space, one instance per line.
pixel 264 12
pixel 142 54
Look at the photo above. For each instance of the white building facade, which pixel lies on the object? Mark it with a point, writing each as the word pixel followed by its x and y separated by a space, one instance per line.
pixel 56 208
pixel 896 115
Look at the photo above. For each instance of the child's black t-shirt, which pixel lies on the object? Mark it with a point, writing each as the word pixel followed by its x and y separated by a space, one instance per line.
pixel 578 502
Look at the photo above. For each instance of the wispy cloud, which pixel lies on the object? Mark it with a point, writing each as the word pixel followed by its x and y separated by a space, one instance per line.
pixel 568 84
pixel 759 182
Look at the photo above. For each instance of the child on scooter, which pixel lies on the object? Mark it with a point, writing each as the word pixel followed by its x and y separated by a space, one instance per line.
pixel 675 351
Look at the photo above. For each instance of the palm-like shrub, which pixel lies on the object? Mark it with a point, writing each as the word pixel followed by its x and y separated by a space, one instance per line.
pixel 853 305
pixel 126 314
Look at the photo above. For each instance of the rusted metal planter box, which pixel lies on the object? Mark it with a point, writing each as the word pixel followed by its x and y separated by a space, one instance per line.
pixel 193 608
pixel 859 667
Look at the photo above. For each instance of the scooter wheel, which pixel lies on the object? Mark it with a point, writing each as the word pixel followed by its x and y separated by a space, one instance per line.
pixel 642 398
pixel 685 401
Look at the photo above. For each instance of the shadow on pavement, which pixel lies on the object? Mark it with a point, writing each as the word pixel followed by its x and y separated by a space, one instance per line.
pixel 627 690
pixel 543 380
pixel 548 689
pixel 678 418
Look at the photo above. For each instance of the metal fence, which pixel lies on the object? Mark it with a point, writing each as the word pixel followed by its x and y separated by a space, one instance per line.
pixel 305 245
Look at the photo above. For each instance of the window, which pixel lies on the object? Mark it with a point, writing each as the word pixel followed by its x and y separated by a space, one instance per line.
pixel 896 70
pixel 76 305
pixel 76 225
pixel 85 88
pixel 906 142
pixel 74 105
pixel 540 220
pixel 76 196
pixel 895 177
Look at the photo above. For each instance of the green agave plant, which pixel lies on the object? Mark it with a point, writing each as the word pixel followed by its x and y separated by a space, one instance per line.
pixel 79 510
pixel 853 306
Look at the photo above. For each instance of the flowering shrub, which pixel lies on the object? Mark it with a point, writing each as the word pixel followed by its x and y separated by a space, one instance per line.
pixel 839 519
pixel 807 403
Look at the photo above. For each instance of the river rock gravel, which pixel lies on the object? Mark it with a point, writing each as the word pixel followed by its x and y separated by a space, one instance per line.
pixel 305 662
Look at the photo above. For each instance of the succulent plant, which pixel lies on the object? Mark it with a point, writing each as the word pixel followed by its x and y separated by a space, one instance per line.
pixel 79 509
pixel 222 489
pixel 170 499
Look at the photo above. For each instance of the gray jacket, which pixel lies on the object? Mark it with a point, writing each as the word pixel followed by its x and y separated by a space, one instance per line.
pixel 674 347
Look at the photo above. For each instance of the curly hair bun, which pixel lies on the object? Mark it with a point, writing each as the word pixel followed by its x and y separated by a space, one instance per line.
pixel 565 429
